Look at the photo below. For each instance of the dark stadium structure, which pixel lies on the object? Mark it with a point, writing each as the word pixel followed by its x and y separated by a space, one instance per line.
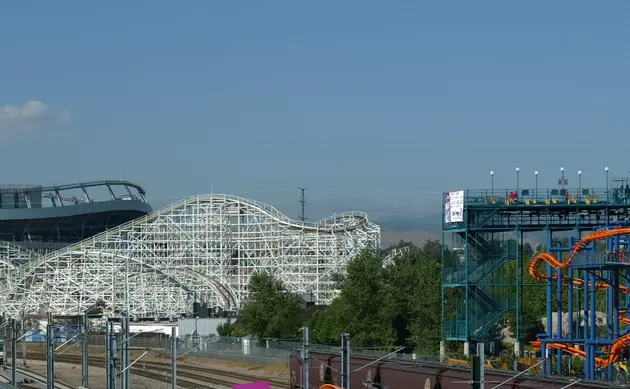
pixel 47 218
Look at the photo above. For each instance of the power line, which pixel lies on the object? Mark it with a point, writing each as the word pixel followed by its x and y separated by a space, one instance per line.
pixel 302 216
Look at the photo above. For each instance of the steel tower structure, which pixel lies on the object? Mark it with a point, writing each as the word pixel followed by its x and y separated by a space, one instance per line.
pixel 482 275
pixel 591 267
pixel 204 248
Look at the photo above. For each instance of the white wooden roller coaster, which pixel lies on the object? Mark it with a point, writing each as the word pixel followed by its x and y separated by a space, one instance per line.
pixel 204 248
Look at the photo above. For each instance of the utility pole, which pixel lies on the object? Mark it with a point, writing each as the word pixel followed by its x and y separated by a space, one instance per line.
pixel 305 360
pixel 5 341
pixel 302 215
pixel 50 353
pixel 480 373
pixel 174 357
pixel 23 340
pixel 111 355
pixel 345 361
pixel 476 373
pixel 124 352
pixel 84 351
pixel 14 338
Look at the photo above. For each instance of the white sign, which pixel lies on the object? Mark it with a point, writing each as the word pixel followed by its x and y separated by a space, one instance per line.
pixel 454 207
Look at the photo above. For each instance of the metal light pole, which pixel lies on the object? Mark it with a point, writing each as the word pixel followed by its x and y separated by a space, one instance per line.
pixel 492 178
pixel 517 179
pixel 305 359
pixel 24 341
pixel 536 191
pixel 562 177
pixel 50 353
pixel 84 350
pixel 345 360
pixel 579 184
pixel 14 337
pixel 607 196
pixel 173 357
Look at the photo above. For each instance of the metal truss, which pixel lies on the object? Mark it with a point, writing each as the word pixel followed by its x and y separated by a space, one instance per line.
pixel 204 249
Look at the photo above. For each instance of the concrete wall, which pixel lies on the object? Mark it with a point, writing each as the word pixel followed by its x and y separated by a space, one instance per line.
pixel 205 327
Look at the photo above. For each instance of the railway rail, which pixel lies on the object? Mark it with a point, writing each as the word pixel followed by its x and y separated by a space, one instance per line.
pixel 33 378
pixel 187 376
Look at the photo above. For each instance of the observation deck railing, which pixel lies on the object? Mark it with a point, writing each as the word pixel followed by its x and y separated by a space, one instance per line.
pixel 547 197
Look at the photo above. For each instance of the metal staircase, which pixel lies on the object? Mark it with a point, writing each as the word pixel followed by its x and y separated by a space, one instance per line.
pixel 489 314
pixel 486 217
pixel 483 298
pixel 484 259
pixel 490 321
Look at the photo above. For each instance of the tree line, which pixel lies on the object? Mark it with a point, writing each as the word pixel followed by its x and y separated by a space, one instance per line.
pixel 393 306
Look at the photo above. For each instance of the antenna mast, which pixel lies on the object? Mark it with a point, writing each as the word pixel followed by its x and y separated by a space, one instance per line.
pixel 302 216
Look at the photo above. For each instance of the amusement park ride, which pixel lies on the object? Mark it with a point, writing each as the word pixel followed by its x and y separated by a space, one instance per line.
pixel 592 270
pixel 586 270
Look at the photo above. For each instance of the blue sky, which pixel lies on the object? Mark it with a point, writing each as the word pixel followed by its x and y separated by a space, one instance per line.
pixel 384 104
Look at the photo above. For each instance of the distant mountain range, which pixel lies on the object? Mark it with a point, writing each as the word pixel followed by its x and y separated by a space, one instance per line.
pixel 409 228
pixel 419 229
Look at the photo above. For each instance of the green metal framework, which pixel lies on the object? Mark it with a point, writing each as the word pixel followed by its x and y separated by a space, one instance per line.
pixel 482 266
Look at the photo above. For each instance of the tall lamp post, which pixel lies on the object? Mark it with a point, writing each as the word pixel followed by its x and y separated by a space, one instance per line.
pixel 579 184
pixel 492 188
pixel 607 196
pixel 517 181
pixel 536 191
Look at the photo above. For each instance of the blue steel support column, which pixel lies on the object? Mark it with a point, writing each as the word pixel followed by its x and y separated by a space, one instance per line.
pixel 442 275
pixel 593 326
pixel 466 306
pixel 443 272
pixel 585 347
pixel 518 286
pixel 614 297
pixel 586 304
pixel 575 295
pixel 627 304
pixel 559 312
pixel 570 310
pixel 611 246
pixel 609 314
pixel 615 288
pixel 547 364
pixel 570 303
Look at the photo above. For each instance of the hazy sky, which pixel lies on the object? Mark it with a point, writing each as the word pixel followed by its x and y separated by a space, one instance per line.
pixel 384 104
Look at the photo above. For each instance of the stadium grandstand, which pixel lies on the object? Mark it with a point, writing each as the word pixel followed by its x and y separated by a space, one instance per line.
pixel 47 218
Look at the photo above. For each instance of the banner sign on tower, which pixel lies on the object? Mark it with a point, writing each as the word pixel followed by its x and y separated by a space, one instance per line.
pixel 454 207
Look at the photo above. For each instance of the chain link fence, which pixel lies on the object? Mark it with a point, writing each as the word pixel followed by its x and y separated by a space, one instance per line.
pixel 250 349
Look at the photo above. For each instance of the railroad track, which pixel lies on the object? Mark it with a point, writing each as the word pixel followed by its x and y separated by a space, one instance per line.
pixel 187 376
pixel 33 378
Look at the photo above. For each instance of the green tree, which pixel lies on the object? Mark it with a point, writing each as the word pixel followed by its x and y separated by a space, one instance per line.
pixel 270 312
pixel 426 322
pixel 228 329
pixel 388 306
pixel 413 282
pixel 361 307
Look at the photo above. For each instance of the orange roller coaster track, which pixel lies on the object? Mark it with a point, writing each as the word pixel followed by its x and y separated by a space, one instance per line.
pixel 550 259
pixel 618 347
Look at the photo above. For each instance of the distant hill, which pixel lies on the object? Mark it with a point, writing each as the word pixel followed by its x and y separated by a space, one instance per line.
pixel 418 237
pixel 420 229
pixel 408 228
